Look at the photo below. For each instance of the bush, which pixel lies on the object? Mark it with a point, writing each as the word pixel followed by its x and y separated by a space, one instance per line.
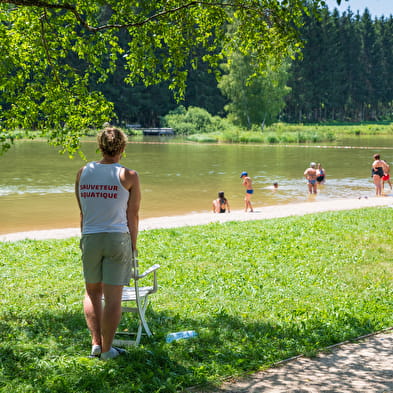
pixel 192 121
pixel 256 138
pixel 231 135
pixel 197 121
pixel 288 137
pixel 272 138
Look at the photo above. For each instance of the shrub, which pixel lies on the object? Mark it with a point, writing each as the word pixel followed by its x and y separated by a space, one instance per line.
pixel 272 138
pixel 191 121
pixel 230 136
pixel 256 138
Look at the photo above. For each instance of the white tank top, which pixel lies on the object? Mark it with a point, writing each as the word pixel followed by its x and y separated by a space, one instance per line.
pixel 103 199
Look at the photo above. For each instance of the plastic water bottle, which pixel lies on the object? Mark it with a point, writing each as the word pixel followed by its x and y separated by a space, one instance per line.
pixel 179 335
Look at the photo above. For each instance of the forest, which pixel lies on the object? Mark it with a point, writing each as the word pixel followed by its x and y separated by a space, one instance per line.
pixel 346 71
pixel 69 67
pixel 344 74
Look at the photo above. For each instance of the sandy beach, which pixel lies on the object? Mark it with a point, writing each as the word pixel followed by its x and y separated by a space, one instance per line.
pixel 260 213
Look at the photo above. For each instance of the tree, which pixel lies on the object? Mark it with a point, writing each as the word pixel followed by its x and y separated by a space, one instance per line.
pixel 254 99
pixel 51 51
pixel 345 70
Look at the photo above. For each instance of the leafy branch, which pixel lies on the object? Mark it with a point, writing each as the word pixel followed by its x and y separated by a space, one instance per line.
pixel 156 16
pixel 46 48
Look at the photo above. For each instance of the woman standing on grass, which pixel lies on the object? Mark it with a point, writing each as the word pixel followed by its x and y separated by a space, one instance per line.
pixel 109 196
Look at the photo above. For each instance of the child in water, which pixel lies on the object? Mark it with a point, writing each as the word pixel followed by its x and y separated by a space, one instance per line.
pixel 221 204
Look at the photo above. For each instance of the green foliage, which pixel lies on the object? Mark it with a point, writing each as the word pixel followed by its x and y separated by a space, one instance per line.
pixel 278 133
pixel 191 121
pixel 254 98
pixel 256 292
pixel 346 69
pixel 53 53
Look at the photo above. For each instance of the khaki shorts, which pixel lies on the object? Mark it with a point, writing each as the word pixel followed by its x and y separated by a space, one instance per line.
pixel 106 258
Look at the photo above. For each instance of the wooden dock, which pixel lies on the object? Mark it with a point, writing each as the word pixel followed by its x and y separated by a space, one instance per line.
pixel 158 131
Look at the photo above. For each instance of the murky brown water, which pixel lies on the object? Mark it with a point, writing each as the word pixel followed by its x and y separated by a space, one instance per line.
pixel 36 183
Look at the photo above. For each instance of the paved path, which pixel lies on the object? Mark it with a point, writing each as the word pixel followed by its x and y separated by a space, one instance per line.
pixel 365 366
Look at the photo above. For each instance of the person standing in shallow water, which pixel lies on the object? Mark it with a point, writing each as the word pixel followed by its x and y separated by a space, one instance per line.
pixel 386 176
pixel 311 176
pixel 108 196
pixel 247 183
pixel 378 170
pixel 321 174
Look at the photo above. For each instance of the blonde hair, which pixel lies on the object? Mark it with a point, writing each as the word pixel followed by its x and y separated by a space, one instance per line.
pixel 111 141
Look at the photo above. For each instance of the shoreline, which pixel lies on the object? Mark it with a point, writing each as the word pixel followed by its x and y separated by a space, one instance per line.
pixel 193 219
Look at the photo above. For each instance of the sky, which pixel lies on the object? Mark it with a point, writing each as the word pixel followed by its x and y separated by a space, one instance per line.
pixel 377 8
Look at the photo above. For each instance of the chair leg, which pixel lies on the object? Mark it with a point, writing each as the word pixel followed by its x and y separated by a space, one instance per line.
pixel 142 311
pixel 138 334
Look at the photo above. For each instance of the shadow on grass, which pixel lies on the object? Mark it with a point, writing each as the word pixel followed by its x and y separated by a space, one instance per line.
pixel 47 352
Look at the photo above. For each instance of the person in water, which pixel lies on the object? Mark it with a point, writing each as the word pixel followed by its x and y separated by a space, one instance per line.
pixel 321 174
pixel 386 176
pixel 247 183
pixel 273 187
pixel 311 176
pixel 221 204
pixel 378 170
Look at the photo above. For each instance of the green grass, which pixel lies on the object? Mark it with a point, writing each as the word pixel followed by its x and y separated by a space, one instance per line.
pixel 284 133
pixel 256 292
pixel 277 133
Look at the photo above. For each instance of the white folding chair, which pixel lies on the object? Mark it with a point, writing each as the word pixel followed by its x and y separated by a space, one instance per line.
pixel 138 296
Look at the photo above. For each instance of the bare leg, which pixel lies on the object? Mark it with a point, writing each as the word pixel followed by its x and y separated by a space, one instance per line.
pixel 111 314
pixel 378 185
pixel 92 305
pixel 247 203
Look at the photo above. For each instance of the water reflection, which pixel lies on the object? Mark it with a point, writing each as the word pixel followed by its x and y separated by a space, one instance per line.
pixel 37 183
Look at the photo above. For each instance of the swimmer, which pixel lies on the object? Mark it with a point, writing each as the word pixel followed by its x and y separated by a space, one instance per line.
pixel 273 187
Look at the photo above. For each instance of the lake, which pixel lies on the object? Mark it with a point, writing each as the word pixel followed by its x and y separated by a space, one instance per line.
pixel 37 183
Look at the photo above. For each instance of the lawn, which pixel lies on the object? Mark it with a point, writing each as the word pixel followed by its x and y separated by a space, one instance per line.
pixel 256 293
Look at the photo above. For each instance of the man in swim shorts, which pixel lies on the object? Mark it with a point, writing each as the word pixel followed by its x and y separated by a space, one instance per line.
pixel 247 183
pixel 311 176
